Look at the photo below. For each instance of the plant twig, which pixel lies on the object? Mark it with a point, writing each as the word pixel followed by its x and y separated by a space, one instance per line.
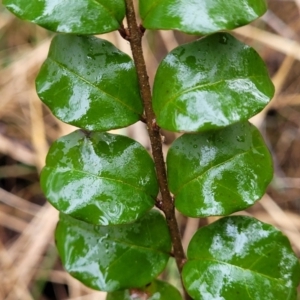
pixel 167 204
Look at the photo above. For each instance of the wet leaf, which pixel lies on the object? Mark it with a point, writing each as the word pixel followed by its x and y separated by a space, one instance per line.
pixel 240 258
pixel 212 83
pixel 199 17
pixel 80 17
pixel 219 172
pixel 111 258
pixel 99 178
pixel 157 290
pixel 89 83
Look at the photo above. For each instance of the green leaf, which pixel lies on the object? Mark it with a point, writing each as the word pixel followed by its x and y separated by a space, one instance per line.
pixel 212 82
pixel 157 290
pixel 99 178
pixel 240 258
pixel 81 17
pixel 111 258
pixel 199 17
pixel 219 172
pixel 89 83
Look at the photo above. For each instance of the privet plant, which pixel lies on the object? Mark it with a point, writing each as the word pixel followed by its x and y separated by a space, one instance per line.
pixel 105 186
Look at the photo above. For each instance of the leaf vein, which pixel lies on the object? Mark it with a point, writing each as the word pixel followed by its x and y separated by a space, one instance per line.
pixel 154 5
pixel 100 177
pixel 238 267
pixel 109 11
pixel 136 246
pixel 93 85
pixel 200 86
pixel 198 176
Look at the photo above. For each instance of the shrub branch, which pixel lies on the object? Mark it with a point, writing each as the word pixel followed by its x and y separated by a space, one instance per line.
pixel 167 203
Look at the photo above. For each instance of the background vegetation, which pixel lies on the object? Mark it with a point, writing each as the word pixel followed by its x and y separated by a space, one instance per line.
pixel 29 265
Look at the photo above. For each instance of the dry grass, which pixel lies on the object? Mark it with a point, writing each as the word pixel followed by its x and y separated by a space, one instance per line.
pixel 29 266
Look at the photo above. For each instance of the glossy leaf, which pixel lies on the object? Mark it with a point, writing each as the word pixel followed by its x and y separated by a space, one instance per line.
pixel 199 17
pixel 99 178
pixel 240 258
pixel 81 17
pixel 212 82
pixel 219 172
pixel 157 290
pixel 89 83
pixel 111 258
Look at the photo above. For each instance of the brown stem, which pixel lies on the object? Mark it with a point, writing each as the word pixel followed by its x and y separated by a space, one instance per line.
pixel 167 204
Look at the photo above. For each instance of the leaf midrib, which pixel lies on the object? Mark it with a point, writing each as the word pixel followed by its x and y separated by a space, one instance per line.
pixel 201 86
pixel 154 5
pixel 131 246
pixel 93 85
pixel 238 267
pixel 198 176
pixel 109 11
pixel 137 246
pixel 117 241
pixel 99 177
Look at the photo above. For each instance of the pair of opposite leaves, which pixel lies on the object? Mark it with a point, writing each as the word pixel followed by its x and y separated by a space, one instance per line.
pixel 95 17
pixel 239 258
pixel 203 85
pixel 107 179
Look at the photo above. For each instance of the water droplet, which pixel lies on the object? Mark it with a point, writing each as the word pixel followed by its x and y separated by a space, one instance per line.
pixel 240 138
pixel 223 39
pixel 104 221
pixel 195 146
